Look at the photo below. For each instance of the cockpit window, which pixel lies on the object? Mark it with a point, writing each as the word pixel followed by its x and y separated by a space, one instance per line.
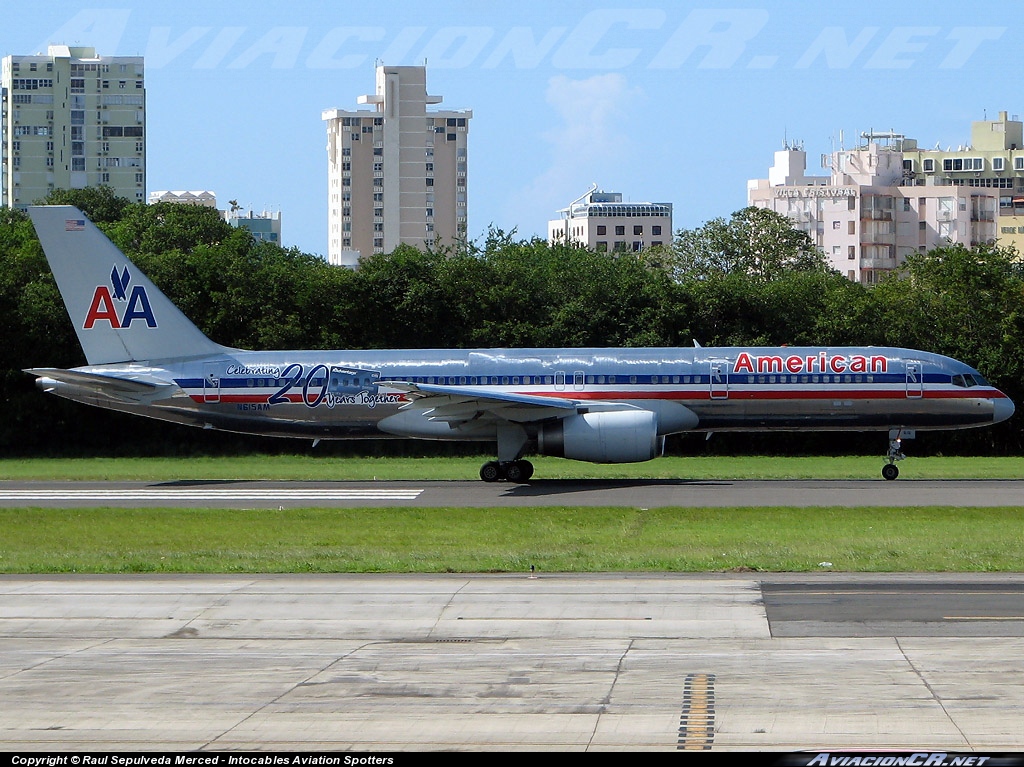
pixel 968 380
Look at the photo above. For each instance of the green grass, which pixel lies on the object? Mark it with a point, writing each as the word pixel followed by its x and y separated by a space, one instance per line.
pixel 111 540
pixel 106 540
pixel 300 467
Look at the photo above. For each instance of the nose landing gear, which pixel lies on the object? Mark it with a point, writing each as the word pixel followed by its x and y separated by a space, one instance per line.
pixel 891 470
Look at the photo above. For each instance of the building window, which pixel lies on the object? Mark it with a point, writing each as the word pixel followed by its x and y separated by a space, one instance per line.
pixel 851 252
pixel 602 229
pixel 1018 163
pixel 638 230
pixel 620 230
pixel 656 230
pixel 998 164
pixel 928 165
pixel 851 227
pixel 602 246
pixel 837 225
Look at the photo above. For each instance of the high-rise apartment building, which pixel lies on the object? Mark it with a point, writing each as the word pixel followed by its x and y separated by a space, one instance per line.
pixel 871 212
pixel 888 197
pixel 396 171
pixel 601 221
pixel 72 119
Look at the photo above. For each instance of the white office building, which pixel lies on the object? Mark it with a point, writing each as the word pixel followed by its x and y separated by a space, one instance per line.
pixel 72 119
pixel 602 221
pixel 397 172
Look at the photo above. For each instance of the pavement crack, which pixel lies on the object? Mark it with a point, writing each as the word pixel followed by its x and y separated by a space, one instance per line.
pixel 603 704
pixel 307 680
pixel 931 691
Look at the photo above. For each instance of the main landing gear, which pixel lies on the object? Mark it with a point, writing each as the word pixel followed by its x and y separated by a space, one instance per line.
pixel 891 470
pixel 513 471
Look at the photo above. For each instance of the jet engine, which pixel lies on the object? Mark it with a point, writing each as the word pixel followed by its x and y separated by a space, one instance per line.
pixel 619 436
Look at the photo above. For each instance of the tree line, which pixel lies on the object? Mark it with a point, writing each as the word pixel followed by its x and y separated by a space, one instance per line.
pixel 750 279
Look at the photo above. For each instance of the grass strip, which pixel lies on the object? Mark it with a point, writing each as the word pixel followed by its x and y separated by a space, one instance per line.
pixel 405 540
pixel 305 467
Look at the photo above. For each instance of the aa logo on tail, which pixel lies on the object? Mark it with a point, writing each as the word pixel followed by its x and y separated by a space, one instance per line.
pixel 135 306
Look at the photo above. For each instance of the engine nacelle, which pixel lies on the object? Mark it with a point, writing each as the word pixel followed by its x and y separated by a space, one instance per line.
pixel 620 436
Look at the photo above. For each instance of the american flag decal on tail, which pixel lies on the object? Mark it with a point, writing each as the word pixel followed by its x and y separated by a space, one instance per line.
pixel 74 225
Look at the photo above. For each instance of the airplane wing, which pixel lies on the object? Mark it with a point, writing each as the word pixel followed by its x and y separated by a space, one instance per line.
pixel 130 389
pixel 458 404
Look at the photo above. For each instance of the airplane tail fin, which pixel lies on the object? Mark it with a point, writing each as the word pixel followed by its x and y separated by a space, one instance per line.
pixel 118 314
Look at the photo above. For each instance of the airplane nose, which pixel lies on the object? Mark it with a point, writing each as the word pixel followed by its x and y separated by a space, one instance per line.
pixel 1002 409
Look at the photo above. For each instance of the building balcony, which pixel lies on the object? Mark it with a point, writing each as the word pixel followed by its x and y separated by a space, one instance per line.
pixel 886 238
pixel 878 263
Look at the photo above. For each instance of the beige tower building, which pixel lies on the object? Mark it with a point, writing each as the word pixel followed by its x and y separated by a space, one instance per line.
pixel 72 119
pixel 396 171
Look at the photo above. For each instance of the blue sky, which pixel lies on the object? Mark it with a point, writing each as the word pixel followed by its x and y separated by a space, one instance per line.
pixel 663 101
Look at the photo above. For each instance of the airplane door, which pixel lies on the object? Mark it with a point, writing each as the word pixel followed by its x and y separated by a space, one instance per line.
pixel 915 380
pixel 211 382
pixel 560 380
pixel 719 379
pixel 577 380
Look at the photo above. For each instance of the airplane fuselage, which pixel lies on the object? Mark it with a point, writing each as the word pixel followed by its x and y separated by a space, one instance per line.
pixel 346 394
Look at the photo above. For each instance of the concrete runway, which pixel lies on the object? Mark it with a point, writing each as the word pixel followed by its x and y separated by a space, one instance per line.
pixel 636 493
pixel 508 662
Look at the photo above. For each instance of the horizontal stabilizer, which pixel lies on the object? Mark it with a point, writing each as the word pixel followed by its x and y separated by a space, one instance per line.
pixel 76 383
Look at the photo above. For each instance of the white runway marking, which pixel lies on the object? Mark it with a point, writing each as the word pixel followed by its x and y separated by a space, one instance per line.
pixel 213 494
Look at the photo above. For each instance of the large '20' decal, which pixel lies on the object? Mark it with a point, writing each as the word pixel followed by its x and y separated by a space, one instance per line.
pixel 311 395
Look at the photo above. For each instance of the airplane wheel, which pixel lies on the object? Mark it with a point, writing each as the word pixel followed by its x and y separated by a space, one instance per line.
pixel 890 471
pixel 519 471
pixel 491 472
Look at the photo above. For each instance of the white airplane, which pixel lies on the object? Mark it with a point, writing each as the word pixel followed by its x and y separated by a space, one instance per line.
pixel 599 405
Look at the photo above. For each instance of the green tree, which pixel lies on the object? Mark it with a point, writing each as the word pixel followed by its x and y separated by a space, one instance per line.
pixel 99 203
pixel 754 241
